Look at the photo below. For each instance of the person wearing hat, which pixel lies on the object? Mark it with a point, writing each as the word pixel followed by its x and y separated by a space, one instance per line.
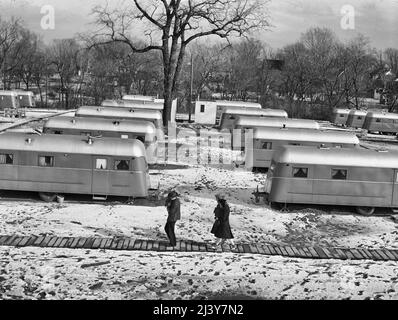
pixel 221 228
pixel 174 214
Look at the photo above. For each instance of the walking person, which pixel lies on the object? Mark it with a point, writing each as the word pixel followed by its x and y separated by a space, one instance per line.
pixel 221 228
pixel 174 214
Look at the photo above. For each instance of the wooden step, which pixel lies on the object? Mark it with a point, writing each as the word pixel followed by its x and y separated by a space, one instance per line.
pixel 100 198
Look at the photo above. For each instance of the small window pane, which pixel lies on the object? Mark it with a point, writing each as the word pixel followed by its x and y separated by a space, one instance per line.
pixel 101 164
pixel 58 132
pixel 339 174
pixel 124 136
pixel 267 145
pixel 122 165
pixel 46 161
pixel 6 159
pixel 88 134
pixel 359 118
pixel 300 172
pixel 202 108
pixel 378 120
pixel 342 116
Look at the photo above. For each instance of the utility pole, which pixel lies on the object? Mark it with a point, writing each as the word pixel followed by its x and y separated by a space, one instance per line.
pixel 191 93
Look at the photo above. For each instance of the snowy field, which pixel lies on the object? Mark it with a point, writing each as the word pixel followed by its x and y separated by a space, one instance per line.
pixel 34 273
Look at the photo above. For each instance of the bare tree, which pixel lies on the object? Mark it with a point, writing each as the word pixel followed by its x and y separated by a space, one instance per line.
pixel 9 52
pixel 171 25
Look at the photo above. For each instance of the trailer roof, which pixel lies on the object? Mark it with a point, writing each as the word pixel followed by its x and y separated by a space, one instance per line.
pixel 260 112
pixel 236 104
pixel 101 124
pixel 337 157
pixel 8 93
pixel 71 144
pixel 118 112
pixel 358 113
pixel 150 105
pixel 276 122
pixel 295 134
pixel 382 115
pixel 342 111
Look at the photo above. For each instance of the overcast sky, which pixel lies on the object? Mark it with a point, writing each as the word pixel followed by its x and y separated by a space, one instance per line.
pixel 376 19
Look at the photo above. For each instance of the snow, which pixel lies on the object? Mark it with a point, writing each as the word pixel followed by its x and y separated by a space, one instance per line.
pixel 37 273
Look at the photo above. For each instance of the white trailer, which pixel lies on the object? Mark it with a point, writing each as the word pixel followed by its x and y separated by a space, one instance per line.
pixel 209 112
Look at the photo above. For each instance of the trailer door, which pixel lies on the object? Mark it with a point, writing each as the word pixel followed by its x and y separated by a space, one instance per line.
pixel 100 181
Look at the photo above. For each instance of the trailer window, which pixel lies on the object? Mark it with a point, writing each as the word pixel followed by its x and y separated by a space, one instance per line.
pixel 267 146
pixel 58 132
pixel 124 136
pixel 122 165
pixel 46 161
pixel 142 139
pixel 87 134
pixel 6 159
pixel 339 174
pixel 378 120
pixel 342 116
pixel 202 108
pixel 101 164
pixel 359 118
pixel 300 172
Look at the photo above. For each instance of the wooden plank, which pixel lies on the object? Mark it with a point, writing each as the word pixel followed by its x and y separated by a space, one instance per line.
pixel 195 247
pixel 366 254
pixel 254 249
pixel 114 244
pixel 272 250
pixel 69 242
pixel 394 253
pixel 162 246
pixel 375 255
pixel 184 246
pixel 58 242
pixel 247 249
pixel 150 245
pixel 313 252
pixel 106 244
pixel 144 245
pixel 169 248
pixel 241 249
pixel 320 253
pixel 349 254
pixel 209 248
pixel 341 253
pixel 120 244
pixel 74 243
pixel 24 241
pixel 307 252
pixel 38 241
pixel 277 250
pixel 301 252
pixel 260 249
pixel 156 246
pixel 389 254
pixel 97 243
pixel 334 253
pixel 226 248
pixel 284 252
pixel 31 240
pixel 9 240
pixel 3 239
pixel 292 251
pixel 266 250
pixel 81 243
pixel 126 244
pixel 89 243
pixel 329 255
pixel 16 241
pixel 381 254
pixel 357 254
pixel 202 247
pixel 52 242
pixel 189 246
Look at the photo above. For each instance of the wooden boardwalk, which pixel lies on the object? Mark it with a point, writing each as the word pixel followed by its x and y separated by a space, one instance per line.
pixel 130 244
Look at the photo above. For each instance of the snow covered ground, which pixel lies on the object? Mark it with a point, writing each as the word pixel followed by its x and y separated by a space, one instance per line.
pixel 34 273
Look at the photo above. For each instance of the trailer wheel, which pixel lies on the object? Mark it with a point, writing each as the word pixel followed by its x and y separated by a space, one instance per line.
pixel 365 211
pixel 47 197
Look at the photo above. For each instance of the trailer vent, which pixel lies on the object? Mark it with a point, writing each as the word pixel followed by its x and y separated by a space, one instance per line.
pixel 323 147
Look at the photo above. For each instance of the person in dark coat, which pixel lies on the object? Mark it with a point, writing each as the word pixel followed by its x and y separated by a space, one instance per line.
pixel 174 214
pixel 221 228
